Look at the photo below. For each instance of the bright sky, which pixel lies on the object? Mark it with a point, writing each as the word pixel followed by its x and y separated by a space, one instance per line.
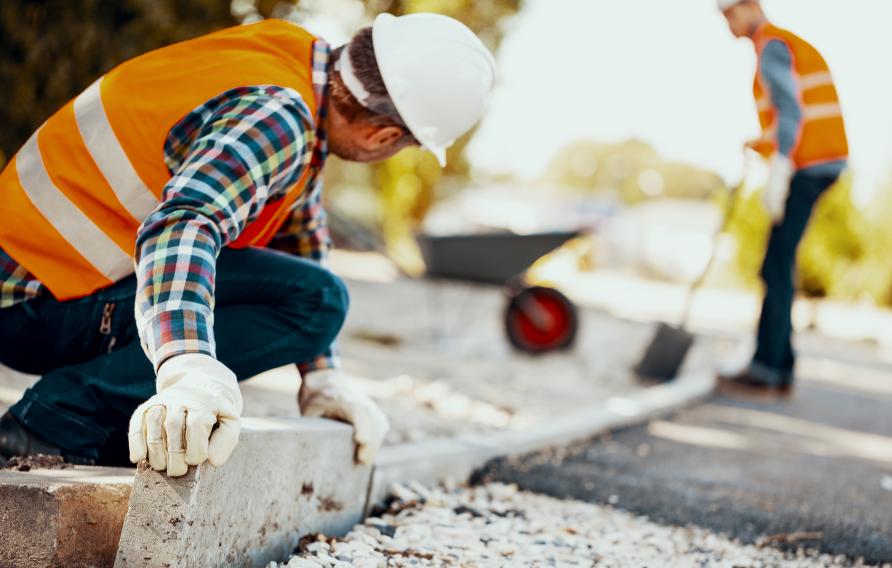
pixel 671 74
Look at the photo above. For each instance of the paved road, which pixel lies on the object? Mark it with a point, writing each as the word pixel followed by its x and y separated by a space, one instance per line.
pixel 813 470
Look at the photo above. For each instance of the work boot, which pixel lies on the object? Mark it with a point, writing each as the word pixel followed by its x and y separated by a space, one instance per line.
pixel 757 380
pixel 16 440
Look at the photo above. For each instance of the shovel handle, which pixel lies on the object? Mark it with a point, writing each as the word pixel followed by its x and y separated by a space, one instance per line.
pixel 729 214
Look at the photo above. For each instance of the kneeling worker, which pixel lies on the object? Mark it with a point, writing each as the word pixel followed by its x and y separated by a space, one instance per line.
pixel 149 229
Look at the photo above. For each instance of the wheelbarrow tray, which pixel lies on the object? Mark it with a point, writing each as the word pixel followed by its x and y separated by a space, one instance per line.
pixel 491 258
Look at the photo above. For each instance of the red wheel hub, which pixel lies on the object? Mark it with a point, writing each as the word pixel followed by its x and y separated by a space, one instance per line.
pixel 541 319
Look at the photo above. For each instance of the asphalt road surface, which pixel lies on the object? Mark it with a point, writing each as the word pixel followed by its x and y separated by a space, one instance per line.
pixel 813 470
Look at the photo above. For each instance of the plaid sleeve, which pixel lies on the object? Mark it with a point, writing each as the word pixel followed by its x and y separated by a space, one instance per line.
pixel 247 150
pixel 306 234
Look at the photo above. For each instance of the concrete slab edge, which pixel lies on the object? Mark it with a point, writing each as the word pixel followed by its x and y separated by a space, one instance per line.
pixel 455 459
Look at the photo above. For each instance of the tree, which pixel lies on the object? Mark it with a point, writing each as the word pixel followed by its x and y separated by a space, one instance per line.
pixel 51 50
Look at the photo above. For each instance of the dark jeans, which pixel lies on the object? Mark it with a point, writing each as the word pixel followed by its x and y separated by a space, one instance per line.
pixel 774 350
pixel 272 309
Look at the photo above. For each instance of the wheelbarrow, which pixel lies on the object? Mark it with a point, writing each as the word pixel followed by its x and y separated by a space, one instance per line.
pixel 537 319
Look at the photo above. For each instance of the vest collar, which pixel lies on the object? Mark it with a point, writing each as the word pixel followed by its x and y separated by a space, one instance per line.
pixel 760 31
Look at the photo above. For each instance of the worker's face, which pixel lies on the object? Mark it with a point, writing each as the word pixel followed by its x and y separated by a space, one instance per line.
pixel 743 18
pixel 363 142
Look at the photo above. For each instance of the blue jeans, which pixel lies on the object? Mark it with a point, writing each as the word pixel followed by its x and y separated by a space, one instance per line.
pixel 272 309
pixel 774 358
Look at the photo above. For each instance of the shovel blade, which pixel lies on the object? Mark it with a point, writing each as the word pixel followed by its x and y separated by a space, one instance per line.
pixel 665 354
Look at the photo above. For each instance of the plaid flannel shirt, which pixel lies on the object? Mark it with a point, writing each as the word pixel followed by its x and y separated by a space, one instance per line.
pixel 228 157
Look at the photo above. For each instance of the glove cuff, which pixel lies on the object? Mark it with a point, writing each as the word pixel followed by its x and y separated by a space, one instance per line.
pixel 174 369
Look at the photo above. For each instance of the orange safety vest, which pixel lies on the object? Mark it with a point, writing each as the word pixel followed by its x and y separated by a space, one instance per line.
pixel 75 194
pixel 822 137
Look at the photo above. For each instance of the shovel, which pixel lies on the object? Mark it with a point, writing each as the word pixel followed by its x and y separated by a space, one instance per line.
pixel 667 350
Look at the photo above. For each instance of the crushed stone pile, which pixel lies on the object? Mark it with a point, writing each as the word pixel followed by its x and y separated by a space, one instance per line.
pixel 498 525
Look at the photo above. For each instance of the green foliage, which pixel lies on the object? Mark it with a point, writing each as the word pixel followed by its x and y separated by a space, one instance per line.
pixel 632 171
pixel 833 246
pixel 749 226
pixel 484 18
pixel 50 50
pixel 843 255
pixel 407 185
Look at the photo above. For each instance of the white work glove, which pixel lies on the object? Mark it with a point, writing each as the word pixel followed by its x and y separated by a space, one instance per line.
pixel 777 189
pixel 175 428
pixel 325 393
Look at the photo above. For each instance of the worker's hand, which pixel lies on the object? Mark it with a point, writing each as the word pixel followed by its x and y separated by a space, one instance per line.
pixel 325 393
pixel 777 188
pixel 176 428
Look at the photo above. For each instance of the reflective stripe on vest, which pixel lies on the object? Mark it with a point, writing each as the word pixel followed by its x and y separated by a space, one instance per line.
pixel 821 111
pixel 76 193
pixel 103 146
pixel 818 79
pixel 72 224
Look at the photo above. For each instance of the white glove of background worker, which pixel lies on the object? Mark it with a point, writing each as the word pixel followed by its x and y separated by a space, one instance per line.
pixel 175 428
pixel 777 189
pixel 326 394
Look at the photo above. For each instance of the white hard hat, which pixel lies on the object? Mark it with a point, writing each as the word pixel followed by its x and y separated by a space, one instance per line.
pixel 725 4
pixel 438 74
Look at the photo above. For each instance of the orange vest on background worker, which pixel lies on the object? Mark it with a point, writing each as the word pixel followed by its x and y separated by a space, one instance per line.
pixel 76 193
pixel 823 134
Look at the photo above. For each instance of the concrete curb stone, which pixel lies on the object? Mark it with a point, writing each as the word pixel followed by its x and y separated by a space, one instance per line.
pixel 62 517
pixel 285 479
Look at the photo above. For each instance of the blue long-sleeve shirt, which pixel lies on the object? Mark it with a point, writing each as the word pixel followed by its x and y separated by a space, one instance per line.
pixel 776 68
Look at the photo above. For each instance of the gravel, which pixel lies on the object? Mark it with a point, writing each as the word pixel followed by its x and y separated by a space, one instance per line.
pixel 498 525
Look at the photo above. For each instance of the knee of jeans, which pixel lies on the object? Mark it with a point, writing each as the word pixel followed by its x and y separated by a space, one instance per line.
pixel 339 302
pixel 332 303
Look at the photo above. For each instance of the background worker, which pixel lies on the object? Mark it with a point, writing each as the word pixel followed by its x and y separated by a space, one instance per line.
pixel 804 140
pixel 137 274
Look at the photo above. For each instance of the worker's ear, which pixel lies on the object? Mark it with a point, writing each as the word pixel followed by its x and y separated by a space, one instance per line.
pixel 384 136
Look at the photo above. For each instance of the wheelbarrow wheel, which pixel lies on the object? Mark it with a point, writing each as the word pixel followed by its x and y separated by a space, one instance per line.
pixel 540 319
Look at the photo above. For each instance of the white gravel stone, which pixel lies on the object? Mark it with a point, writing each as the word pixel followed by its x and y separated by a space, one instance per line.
pixel 497 525
pixel 298 562
pixel 318 547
